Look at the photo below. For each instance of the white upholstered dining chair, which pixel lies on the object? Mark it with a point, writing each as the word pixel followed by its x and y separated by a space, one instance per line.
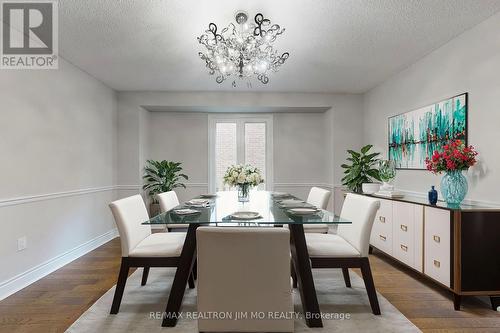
pixel 168 201
pixel 244 270
pixel 349 247
pixel 318 197
pixel 141 248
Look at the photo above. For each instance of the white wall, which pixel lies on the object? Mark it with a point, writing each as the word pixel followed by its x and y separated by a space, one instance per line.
pixel 181 137
pixel 469 63
pixel 58 145
pixel 335 130
pixel 300 151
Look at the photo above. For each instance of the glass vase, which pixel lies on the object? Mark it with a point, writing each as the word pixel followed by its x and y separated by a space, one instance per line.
pixel 387 172
pixel 454 187
pixel 244 193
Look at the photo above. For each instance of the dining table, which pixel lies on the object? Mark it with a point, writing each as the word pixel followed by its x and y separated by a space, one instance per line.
pixel 224 209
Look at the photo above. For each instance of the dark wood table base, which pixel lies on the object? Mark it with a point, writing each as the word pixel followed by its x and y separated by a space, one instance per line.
pixel 186 262
pixel 303 271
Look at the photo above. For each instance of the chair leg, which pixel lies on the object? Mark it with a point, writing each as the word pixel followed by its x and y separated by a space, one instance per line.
pixel 370 286
pixel 120 286
pixel 347 278
pixel 457 300
pixel 191 281
pixel 195 269
pixel 294 276
pixel 145 274
pixel 495 303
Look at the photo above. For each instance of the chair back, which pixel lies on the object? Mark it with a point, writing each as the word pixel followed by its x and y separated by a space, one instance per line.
pixel 319 197
pixel 244 270
pixel 168 200
pixel 360 210
pixel 129 214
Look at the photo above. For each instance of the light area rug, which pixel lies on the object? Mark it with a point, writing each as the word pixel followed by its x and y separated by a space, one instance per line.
pixel 140 301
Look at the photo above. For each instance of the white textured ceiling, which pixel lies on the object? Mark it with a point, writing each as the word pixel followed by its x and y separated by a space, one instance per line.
pixel 335 45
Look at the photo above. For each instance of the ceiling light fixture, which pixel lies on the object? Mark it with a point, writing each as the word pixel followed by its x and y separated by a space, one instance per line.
pixel 242 51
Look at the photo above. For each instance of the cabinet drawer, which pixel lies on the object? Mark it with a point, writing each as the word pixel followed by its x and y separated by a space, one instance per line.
pixel 403 232
pixel 437 238
pixel 384 214
pixel 381 236
pixel 382 241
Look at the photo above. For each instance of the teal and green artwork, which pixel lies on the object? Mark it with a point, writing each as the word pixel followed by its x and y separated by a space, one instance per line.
pixel 415 135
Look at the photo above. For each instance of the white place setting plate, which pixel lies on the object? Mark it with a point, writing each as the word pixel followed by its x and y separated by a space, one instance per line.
pixel 291 202
pixel 208 195
pixel 245 216
pixel 185 211
pixel 303 211
pixel 280 194
pixel 198 201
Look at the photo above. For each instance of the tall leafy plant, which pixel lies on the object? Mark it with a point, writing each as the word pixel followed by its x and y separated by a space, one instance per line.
pixel 361 170
pixel 162 176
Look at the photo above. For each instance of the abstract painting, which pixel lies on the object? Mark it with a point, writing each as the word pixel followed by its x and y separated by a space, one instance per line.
pixel 415 135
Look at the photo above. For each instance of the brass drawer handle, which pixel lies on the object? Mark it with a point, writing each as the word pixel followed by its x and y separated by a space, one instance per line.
pixel 404 227
pixel 436 238
pixel 383 238
pixel 404 248
pixel 381 219
pixel 437 263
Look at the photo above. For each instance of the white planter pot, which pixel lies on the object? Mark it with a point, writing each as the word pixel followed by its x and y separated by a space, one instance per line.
pixel 370 188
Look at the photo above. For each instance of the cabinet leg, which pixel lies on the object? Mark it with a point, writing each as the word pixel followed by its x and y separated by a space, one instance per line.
pixel 495 303
pixel 457 300
pixel 370 249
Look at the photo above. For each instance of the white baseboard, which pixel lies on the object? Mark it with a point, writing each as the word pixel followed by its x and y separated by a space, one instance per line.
pixel 22 280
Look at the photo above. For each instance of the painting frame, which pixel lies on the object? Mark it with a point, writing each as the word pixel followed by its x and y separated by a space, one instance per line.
pixel 464 95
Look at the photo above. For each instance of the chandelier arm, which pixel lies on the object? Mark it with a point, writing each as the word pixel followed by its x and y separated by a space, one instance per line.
pixel 212 27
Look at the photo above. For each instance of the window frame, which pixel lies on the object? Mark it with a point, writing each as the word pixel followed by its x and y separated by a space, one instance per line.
pixel 240 120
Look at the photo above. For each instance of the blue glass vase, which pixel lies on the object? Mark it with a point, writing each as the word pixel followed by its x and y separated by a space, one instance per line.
pixel 454 187
pixel 433 196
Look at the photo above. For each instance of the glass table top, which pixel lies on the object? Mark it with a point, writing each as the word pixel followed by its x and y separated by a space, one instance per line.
pixel 272 210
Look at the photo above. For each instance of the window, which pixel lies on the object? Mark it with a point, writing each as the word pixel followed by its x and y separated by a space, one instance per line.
pixel 255 147
pixel 225 150
pixel 240 140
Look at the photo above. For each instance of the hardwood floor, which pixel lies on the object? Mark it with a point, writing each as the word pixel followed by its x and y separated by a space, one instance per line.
pixel 54 302
pixel 429 307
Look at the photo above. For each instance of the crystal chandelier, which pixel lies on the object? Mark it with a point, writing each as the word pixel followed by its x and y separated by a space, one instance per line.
pixel 242 51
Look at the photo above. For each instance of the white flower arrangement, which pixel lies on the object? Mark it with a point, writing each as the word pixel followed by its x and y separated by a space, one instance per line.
pixel 238 175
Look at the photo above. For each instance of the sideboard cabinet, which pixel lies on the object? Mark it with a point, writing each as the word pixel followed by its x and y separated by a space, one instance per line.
pixel 457 248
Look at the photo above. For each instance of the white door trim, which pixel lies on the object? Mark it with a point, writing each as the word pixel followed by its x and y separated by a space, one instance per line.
pixel 240 120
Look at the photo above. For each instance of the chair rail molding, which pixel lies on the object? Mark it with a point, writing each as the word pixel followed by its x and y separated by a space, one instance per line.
pixel 139 187
pixel 54 195
pixel 128 187
pixel 196 184
pixel 325 185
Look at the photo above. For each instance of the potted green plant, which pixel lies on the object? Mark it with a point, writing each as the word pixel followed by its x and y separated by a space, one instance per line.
pixel 159 177
pixel 361 170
